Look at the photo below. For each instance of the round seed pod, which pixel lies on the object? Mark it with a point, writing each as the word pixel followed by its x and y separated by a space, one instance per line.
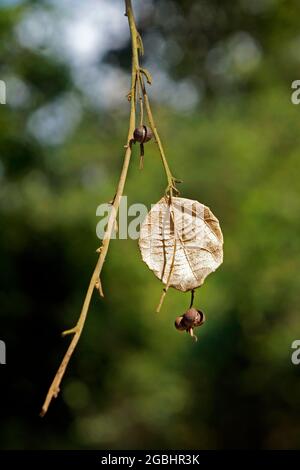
pixel 202 318
pixel 191 318
pixel 142 134
pixel 178 324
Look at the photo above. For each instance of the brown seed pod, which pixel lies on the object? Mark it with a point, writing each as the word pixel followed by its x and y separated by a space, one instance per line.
pixel 142 134
pixel 191 319
pixel 179 325
pixel 202 318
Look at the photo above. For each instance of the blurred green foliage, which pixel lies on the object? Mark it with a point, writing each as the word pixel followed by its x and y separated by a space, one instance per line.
pixel 134 381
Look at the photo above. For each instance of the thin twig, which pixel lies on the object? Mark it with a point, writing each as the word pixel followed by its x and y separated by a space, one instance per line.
pixel 141 101
pixel 171 179
pixel 95 279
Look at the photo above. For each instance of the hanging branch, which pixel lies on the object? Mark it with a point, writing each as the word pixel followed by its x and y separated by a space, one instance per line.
pixel 95 279
pixel 137 80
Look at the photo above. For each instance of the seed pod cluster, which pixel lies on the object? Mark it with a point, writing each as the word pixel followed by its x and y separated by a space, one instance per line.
pixel 191 319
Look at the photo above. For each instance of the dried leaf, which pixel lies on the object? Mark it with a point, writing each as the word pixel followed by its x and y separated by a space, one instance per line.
pixel 181 242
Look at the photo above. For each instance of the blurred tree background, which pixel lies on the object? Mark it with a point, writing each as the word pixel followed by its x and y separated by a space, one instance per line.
pixel 222 92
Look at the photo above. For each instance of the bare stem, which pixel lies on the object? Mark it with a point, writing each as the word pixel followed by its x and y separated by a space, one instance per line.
pixel 95 279
pixel 141 102
pixel 171 180
pixel 192 297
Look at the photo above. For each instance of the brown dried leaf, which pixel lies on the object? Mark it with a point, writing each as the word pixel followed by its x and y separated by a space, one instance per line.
pixel 181 242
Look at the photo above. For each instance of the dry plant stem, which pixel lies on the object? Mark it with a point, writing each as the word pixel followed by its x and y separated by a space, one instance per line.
pixel 171 180
pixel 141 102
pixel 95 279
